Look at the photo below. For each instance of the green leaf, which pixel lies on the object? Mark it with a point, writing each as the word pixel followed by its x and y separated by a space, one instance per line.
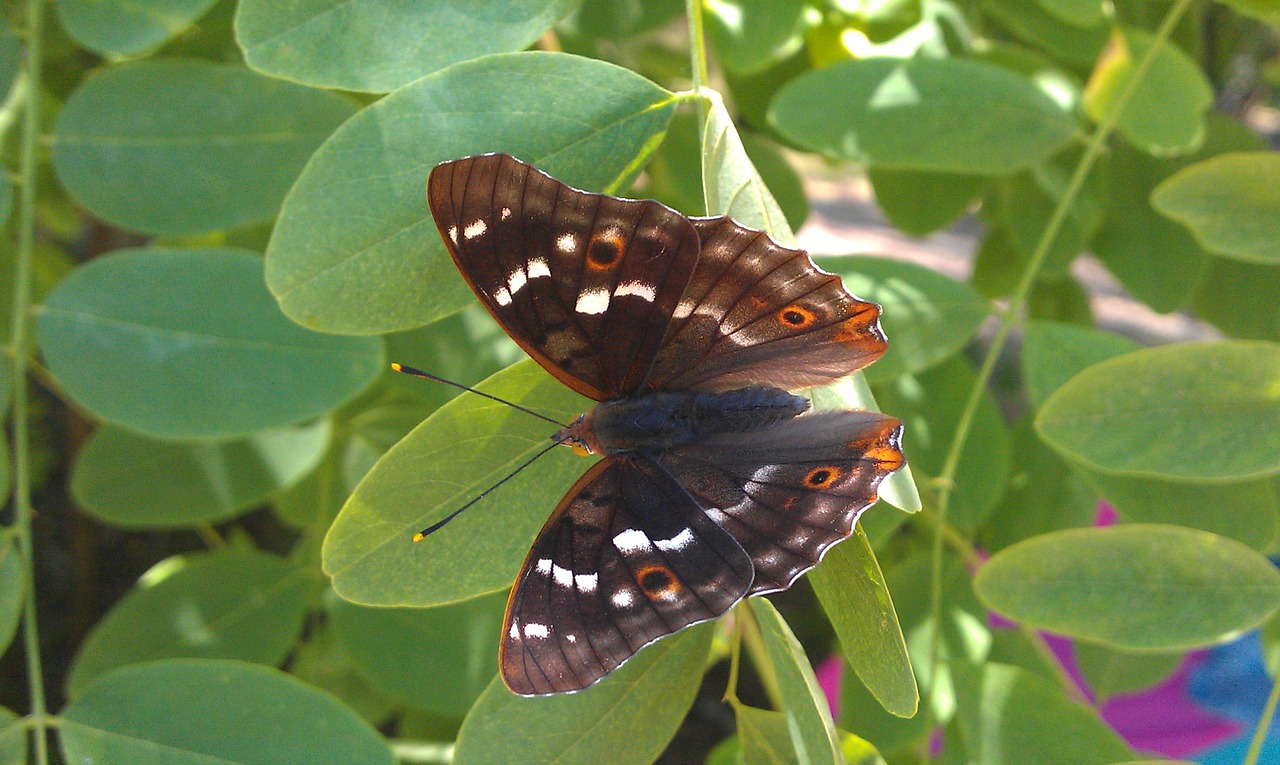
pixel 133 481
pixel 1204 411
pixel 628 717
pixel 355 249
pixel 13 739
pixel 930 404
pixel 1110 672
pixel 118 28
pixel 186 147
pixel 1264 10
pixel 764 737
pixel 462 449
pixel 240 604
pixel 375 46
pixel 1080 13
pixel 854 596
pixel 323 662
pixel 1012 717
pixel 779 177
pixel 4 463
pixel 921 202
pixel 750 36
pixel 1138 587
pixel 1165 114
pixel 949 115
pixel 732 185
pixel 1230 203
pixel 13 587
pixel 1246 512
pixel 1053 353
pixel 1027 202
pixel 189 344
pixel 1034 23
pixel 1044 494
pixel 1062 299
pixel 197 712
pixel 373 432
pixel 813 733
pixel 927 317
pixel 1241 299
pixel 438 659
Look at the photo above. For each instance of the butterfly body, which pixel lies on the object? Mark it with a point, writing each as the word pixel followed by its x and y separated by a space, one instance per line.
pixel 715 483
pixel 659 422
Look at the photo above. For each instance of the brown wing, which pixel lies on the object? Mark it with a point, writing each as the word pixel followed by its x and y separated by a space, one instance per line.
pixel 789 492
pixel 626 558
pixel 585 283
pixel 758 312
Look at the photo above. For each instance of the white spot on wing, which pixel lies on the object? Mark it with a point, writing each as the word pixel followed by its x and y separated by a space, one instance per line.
pixel 535 630
pixel 678 542
pixel 562 576
pixel 637 288
pixel 622 598
pixel 683 309
pixel 453 234
pixel 516 280
pixel 538 268
pixel 506 213
pixel 544 566
pixel 630 541
pixel 567 243
pixel 571 638
pixel 502 296
pixel 515 630
pixel 593 301
pixel 586 582
pixel 474 229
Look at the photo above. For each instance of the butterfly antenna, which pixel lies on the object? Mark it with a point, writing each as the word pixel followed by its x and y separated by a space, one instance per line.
pixel 440 523
pixel 426 376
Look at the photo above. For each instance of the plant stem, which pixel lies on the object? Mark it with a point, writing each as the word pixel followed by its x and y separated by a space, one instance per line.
pixel 1093 150
pixel 697 57
pixel 18 349
pixel 1264 724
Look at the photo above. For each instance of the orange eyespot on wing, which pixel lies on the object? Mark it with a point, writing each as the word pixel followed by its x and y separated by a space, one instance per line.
pixel 658 582
pixel 822 477
pixel 796 316
pixel 604 250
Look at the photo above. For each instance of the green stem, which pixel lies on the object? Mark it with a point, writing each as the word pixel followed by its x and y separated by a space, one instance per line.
pixel 1093 150
pixel 697 57
pixel 1260 733
pixel 18 349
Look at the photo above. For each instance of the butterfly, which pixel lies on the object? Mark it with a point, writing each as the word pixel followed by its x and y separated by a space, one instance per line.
pixel 692 333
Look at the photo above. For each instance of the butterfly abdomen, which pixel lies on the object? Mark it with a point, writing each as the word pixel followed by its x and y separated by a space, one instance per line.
pixel 657 422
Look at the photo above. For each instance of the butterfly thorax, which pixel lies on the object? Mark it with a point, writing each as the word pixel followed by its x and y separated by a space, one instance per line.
pixel 658 422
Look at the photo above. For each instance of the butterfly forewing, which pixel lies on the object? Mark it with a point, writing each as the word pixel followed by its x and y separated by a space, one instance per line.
pixel 788 493
pixel 585 283
pixel 627 557
pixel 758 312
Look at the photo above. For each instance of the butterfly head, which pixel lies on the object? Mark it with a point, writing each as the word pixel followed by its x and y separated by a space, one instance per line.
pixel 579 436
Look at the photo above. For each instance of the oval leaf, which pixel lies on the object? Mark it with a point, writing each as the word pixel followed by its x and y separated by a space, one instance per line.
pixel 732 186
pixel 1231 203
pixel 461 450
pixel 947 115
pixel 189 344
pixel 853 594
pixel 117 28
pixel 187 147
pixel 355 249
pixel 376 46
pixel 626 718
pixel 193 711
pixel 1136 586
pixel 813 732
pixel 133 481
pixel 927 317
pixel 1165 114
pixel 235 605
pixel 1191 411
pixel 1054 352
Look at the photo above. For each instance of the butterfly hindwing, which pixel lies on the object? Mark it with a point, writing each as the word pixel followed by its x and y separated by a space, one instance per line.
pixel 789 492
pixel 758 312
pixel 585 283
pixel 627 557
